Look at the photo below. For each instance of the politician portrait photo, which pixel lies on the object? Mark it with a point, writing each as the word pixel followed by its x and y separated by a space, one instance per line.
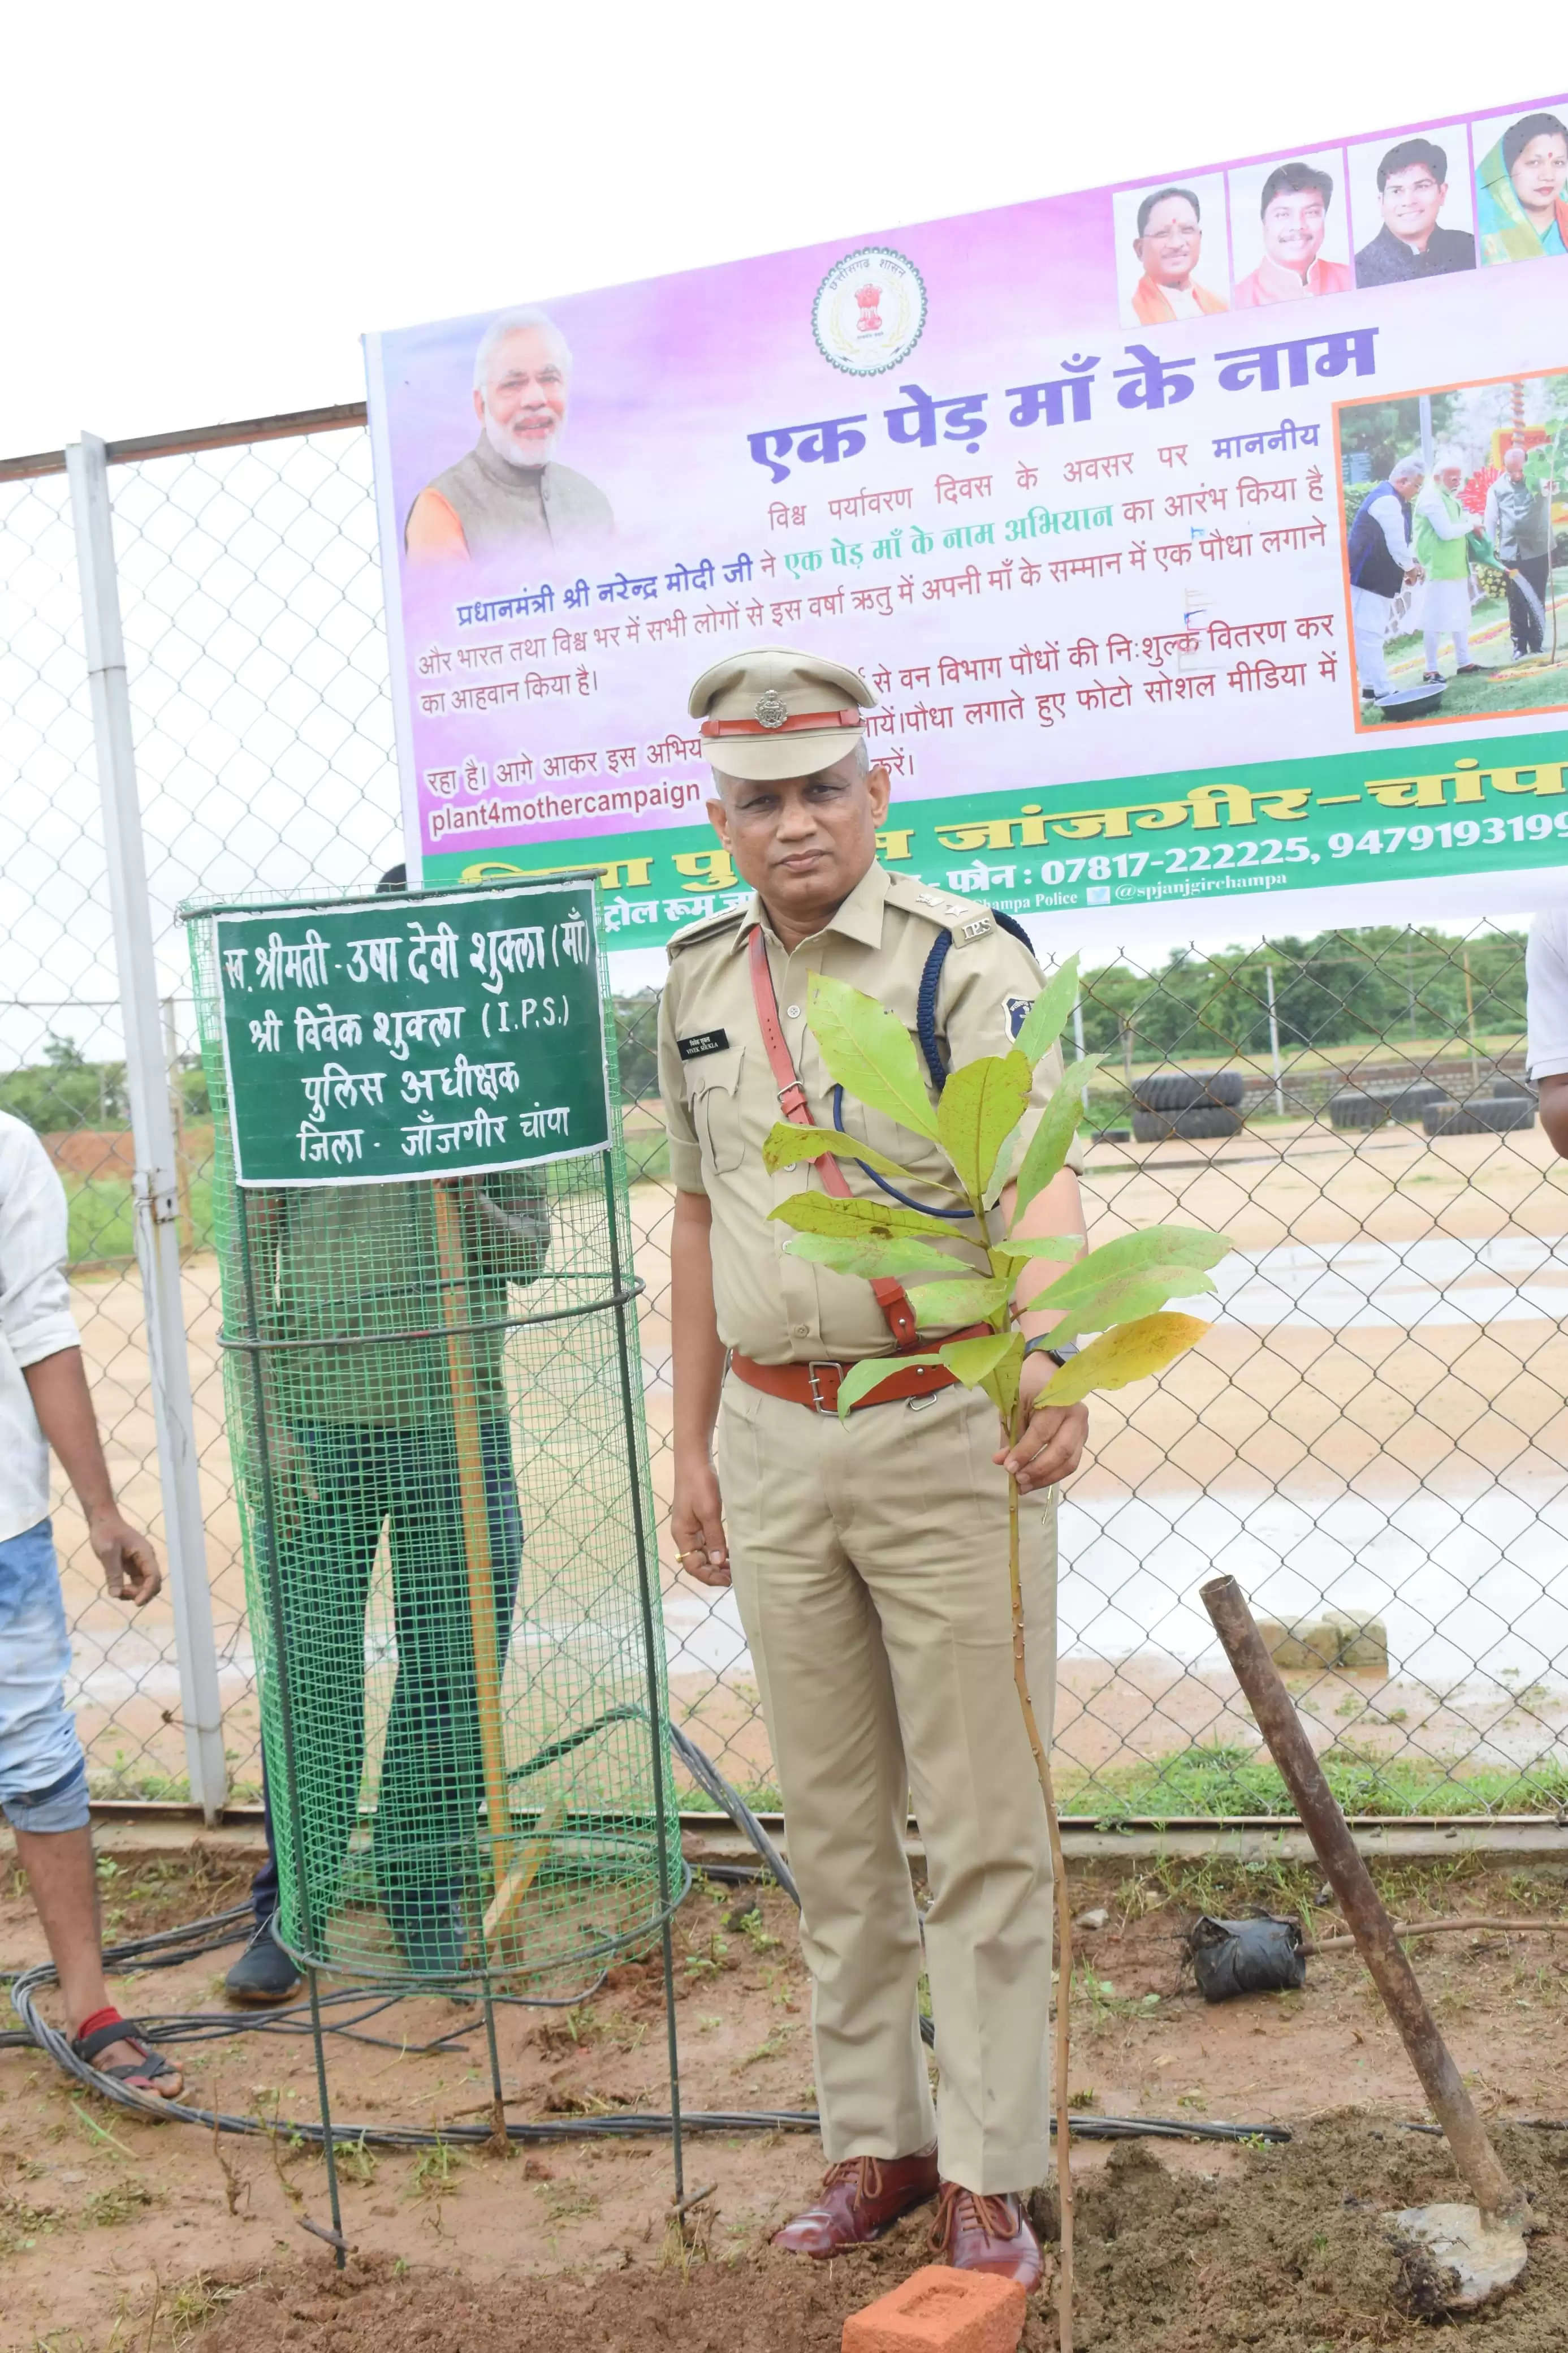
pixel 1290 230
pixel 1455 512
pixel 1411 211
pixel 1522 186
pixel 511 495
pixel 1173 258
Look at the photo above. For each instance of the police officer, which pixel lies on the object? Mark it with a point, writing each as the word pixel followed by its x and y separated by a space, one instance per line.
pixel 868 1556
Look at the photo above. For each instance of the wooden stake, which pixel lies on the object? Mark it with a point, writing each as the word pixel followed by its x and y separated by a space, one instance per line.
pixel 1377 1938
pixel 452 1260
pixel 511 1891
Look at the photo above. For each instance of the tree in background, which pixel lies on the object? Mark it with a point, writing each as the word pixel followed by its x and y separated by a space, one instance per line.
pixel 65 1091
pixel 1337 987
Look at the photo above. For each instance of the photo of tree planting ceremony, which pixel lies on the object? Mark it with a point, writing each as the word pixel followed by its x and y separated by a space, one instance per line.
pixel 784 1187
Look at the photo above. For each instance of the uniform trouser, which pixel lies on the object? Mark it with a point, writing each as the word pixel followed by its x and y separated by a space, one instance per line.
pixel 351 1480
pixel 870 1568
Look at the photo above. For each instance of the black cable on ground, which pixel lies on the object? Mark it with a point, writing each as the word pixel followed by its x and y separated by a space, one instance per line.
pixel 170 1947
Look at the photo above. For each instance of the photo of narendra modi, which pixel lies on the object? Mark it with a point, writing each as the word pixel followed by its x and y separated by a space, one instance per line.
pixel 511 495
pixel 1455 507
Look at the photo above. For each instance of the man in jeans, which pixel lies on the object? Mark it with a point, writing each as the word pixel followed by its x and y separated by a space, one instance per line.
pixel 362 1438
pixel 45 1403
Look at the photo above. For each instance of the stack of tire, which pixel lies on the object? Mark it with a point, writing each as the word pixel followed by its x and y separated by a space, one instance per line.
pixel 1370 1106
pixel 1171 1103
pixel 1509 1108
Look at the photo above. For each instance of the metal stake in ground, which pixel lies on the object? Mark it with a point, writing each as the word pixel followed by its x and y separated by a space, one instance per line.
pixel 476 1525
pixel 1498 2202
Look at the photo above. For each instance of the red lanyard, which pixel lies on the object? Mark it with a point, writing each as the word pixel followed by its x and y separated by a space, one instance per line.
pixel 891 1297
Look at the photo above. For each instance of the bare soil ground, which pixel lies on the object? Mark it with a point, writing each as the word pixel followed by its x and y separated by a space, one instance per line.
pixel 120 2235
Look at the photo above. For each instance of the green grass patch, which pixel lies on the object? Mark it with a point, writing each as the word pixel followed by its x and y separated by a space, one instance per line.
pixel 102 1220
pixel 1223 1779
pixel 647 1154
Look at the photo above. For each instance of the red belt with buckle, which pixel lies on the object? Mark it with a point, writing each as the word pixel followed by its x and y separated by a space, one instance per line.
pixel 815 1385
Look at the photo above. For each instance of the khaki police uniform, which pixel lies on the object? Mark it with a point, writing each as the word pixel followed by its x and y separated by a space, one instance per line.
pixel 870 1560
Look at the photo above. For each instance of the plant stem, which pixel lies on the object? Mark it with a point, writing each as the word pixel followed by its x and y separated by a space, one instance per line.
pixel 1063 1908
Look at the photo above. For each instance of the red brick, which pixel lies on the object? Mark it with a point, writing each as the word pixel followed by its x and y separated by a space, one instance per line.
pixel 938 2310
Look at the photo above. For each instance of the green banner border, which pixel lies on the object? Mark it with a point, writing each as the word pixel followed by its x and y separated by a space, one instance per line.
pixel 1240 834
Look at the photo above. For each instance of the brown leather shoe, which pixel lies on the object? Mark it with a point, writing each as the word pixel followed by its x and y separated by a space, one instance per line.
pixel 861 2198
pixel 978 2233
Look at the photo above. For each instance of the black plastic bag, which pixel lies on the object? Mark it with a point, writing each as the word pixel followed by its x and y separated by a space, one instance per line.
pixel 1232 1957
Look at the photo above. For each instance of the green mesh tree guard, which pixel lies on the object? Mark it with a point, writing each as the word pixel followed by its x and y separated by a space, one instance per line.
pixel 435 1408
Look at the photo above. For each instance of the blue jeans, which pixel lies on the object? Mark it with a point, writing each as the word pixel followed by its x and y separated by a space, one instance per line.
pixel 432 1774
pixel 43 1779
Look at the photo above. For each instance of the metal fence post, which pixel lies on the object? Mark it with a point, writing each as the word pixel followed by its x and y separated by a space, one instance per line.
pixel 1274 1043
pixel 155 1184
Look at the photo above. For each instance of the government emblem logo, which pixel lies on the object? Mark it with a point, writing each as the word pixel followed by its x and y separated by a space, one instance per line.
pixel 772 709
pixel 869 312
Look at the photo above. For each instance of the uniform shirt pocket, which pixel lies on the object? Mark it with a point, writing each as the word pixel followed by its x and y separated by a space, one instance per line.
pixel 713 1095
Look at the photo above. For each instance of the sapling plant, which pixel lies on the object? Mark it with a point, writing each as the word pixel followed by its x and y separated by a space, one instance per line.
pixel 1118 1292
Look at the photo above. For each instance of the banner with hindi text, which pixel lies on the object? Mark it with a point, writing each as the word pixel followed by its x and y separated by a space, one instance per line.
pixel 1072 483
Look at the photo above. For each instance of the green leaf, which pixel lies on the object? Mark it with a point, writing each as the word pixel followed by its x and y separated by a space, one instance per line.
pixel 821 1213
pixel 1005 1162
pixel 959 1302
pixel 869 1374
pixel 1048 1145
pixel 978 1109
pixel 1133 1255
pixel 1131 1353
pixel 868 1052
pixel 972 1361
pixel 1019 1249
pixel 1128 1296
pixel 854 1256
pixel 1044 1022
pixel 784 1144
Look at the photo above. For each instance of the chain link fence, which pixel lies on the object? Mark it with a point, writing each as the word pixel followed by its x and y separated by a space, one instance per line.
pixel 1373 1441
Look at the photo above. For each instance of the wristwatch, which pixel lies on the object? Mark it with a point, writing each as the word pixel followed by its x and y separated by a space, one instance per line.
pixel 1041 1345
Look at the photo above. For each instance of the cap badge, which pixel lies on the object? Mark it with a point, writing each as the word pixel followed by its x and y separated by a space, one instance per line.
pixel 772 709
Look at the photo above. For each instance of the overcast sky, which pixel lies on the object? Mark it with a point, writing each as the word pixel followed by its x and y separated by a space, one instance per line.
pixel 206 207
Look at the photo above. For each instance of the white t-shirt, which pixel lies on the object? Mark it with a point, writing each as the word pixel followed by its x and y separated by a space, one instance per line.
pixel 1546 993
pixel 34 1316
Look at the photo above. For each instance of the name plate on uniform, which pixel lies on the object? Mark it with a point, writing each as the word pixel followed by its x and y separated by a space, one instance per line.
pixel 706 1041
pixel 409 1037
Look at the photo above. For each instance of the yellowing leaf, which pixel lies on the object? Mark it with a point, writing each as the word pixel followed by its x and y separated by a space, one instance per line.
pixel 1044 1022
pixel 1000 1383
pixel 1130 1353
pixel 869 1050
pixel 1132 1254
pixel 992 1363
pixel 978 1109
pixel 821 1213
pixel 1128 1296
pixel 850 1255
pixel 869 1374
pixel 785 1144
pixel 972 1361
pixel 958 1302
pixel 1047 1152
